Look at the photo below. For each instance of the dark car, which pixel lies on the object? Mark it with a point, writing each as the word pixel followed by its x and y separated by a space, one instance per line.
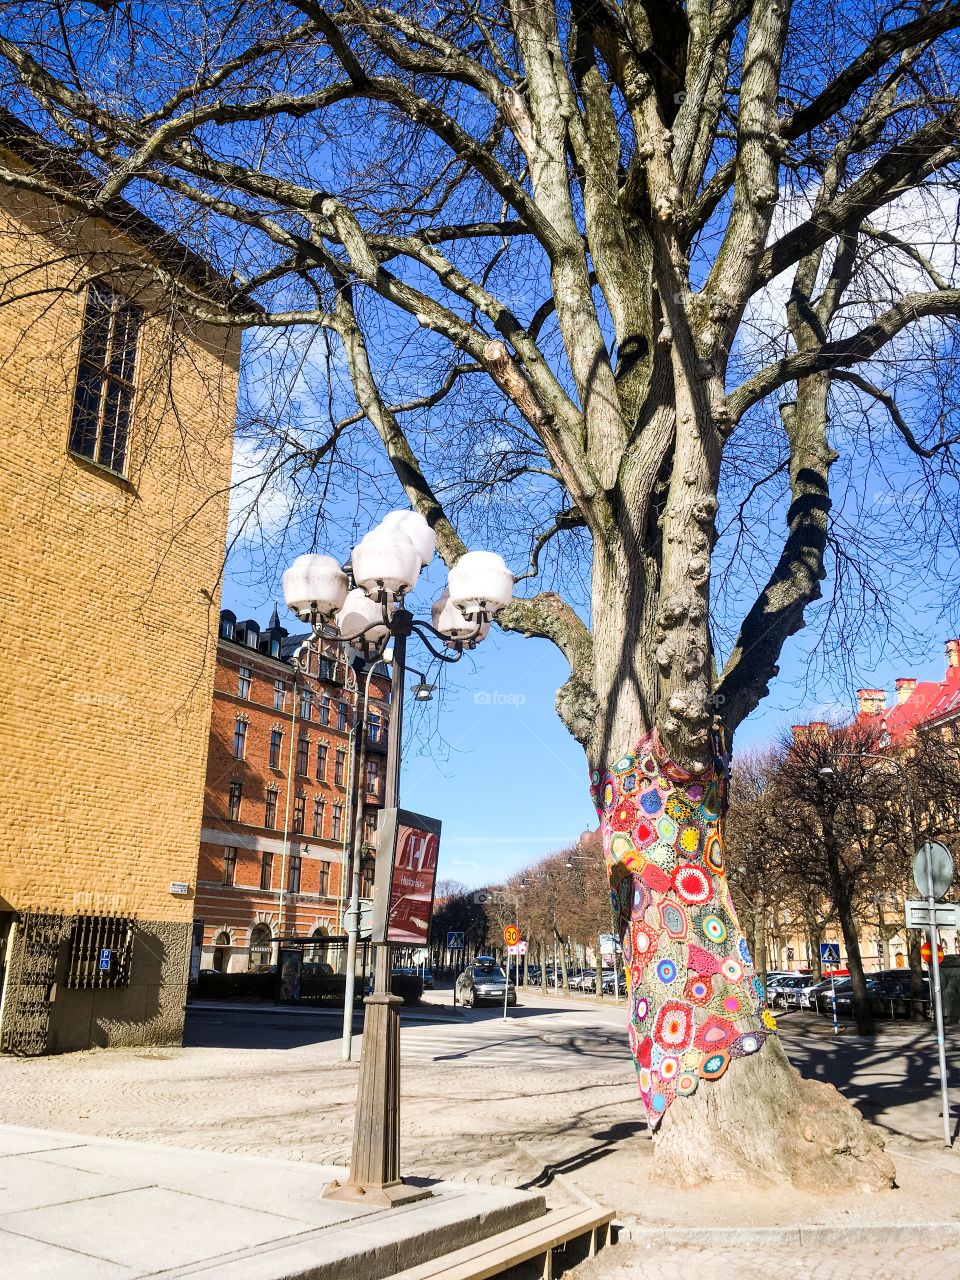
pixel 484 982
pixel 417 971
pixel 888 994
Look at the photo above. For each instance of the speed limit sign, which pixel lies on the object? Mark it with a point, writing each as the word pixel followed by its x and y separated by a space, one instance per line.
pixel 511 935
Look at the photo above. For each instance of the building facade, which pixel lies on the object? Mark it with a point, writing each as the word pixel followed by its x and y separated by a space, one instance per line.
pixel 282 770
pixel 115 451
pixel 918 715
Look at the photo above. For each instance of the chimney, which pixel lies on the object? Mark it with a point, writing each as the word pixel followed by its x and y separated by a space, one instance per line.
pixel 905 686
pixel 953 653
pixel 801 732
pixel 871 701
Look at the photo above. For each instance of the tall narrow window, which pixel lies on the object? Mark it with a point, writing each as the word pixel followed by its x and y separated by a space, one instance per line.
pixel 276 745
pixel 243 682
pixel 279 693
pixel 239 738
pixel 318 807
pixel 303 755
pixel 370 828
pixel 373 777
pixel 341 715
pixel 336 822
pixel 293 874
pixel 325 709
pixel 236 795
pixel 339 761
pixel 103 394
pixel 366 878
pixel 326 668
pixel 323 887
pixel 373 726
pixel 306 704
pixel 322 762
pixel 270 810
pixel 229 866
pixel 299 813
pixel 266 872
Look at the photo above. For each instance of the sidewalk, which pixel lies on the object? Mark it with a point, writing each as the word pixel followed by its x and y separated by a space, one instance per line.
pixel 86 1208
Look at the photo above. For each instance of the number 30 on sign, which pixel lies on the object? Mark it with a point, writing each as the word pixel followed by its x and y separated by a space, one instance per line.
pixel 511 935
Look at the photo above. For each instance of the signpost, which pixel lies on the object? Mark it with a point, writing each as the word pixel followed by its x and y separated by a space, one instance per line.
pixel 455 941
pixel 830 954
pixel 946 915
pixel 933 875
pixel 105 960
pixel 511 936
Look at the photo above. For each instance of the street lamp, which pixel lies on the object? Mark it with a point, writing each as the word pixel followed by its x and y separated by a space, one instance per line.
pixel 363 603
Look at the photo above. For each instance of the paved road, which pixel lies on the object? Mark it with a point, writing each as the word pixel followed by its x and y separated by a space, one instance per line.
pixel 547 1100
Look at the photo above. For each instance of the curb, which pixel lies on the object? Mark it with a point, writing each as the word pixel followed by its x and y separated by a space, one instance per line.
pixel 802 1234
pixel 425 1012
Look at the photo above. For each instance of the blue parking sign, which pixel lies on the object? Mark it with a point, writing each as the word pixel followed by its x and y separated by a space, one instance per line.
pixel 829 952
pixel 105 955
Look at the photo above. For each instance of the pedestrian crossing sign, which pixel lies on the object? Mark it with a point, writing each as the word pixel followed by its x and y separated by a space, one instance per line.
pixel 829 952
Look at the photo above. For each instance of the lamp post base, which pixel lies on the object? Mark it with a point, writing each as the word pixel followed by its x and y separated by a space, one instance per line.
pixel 384 1195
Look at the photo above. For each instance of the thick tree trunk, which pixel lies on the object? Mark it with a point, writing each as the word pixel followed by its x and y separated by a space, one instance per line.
pixel 760 938
pixel 851 940
pixel 717 1088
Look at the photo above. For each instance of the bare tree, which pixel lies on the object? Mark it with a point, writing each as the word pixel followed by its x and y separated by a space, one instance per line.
pixel 599 266
pixel 842 814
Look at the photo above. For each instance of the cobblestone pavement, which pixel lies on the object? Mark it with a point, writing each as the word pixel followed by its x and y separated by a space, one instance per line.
pixel 546 1100
pixel 815 1262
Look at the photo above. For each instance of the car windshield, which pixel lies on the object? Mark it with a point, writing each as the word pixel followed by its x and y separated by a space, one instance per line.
pixel 488 972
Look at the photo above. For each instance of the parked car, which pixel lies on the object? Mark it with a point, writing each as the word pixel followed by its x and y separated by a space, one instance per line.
pixel 779 996
pixel 483 982
pixel 775 978
pixel 417 971
pixel 532 974
pixel 799 994
pixel 582 979
pixel 888 994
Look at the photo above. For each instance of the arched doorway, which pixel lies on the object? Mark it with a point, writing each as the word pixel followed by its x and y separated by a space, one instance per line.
pixel 317 953
pixel 261 944
pixel 221 952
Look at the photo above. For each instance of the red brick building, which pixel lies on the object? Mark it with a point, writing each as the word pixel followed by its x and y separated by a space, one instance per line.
pixel 277 808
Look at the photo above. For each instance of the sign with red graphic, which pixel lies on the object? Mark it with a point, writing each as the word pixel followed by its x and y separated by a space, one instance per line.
pixel 926 954
pixel 511 935
pixel 408 847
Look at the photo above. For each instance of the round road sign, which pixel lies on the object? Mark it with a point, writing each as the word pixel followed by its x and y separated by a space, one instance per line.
pixel 926 954
pixel 934 861
pixel 511 935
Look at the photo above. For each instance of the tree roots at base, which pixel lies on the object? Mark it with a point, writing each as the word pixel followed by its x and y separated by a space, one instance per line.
pixel 764 1122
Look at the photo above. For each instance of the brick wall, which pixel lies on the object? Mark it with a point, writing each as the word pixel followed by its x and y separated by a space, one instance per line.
pixel 110 593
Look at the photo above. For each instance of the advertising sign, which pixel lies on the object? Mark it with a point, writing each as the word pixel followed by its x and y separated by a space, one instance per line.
pixel 408 846
pixel 291 973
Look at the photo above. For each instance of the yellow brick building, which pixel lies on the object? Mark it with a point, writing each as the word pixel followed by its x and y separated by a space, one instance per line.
pixel 116 421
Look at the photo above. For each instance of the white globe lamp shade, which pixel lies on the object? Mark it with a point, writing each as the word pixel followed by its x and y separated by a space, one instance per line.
pixel 417 530
pixel 315 584
pixel 454 625
pixel 358 613
pixel 480 580
pixel 386 560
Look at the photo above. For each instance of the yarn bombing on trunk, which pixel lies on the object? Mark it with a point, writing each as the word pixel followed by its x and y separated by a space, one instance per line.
pixel 695 1002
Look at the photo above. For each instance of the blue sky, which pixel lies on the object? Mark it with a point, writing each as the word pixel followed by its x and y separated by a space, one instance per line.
pixel 491 759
